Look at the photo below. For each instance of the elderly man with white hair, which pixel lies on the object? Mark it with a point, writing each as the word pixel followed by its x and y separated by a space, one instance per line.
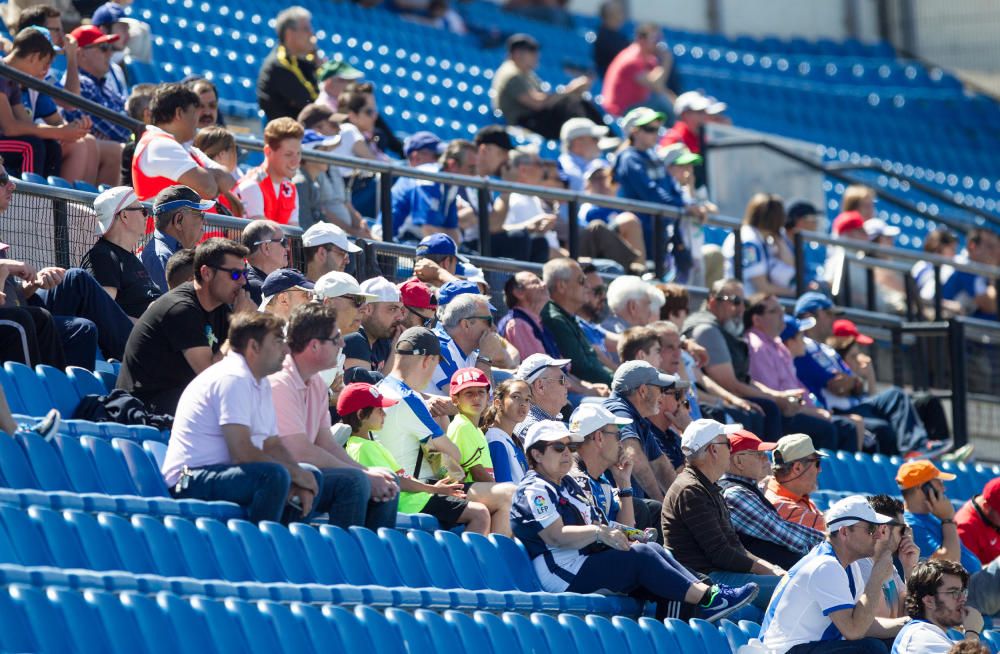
pixel 466 339
pixel 633 303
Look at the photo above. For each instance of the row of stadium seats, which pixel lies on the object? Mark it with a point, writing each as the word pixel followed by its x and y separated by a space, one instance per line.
pixel 35 392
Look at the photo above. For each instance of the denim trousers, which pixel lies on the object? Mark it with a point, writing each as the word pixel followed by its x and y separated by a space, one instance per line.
pixel 261 488
pixel 345 495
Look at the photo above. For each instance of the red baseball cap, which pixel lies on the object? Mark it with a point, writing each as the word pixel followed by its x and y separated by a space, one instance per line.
pixel 88 35
pixel 359 396
pixel 746 441
pixel 468 378
pixel 845 327
pixel 414 293
pixel 991 493
pixel 847 221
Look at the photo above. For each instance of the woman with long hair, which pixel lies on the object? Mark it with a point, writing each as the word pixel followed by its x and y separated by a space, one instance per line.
pixel 511 402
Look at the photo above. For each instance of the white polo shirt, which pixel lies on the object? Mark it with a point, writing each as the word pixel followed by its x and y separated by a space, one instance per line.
pixel 226 393
pixel 921 637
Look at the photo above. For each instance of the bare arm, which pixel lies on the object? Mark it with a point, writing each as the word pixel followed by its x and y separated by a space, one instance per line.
pixel 202 181
pixel 665 471
pixel 854 623
pixel 455 235
pixel 200 358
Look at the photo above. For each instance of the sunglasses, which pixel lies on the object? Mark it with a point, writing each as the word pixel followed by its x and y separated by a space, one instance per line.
pixel 358 300
pixel 4 179
pixel 562 447
pixel 141 209
pixel 234 273
pixel 735 299
pixel 283 240
pixel 488 319
pixel 561 380
pixel 649 129
pixel 729 446
pixel 871 528
pixel 428 322
pixel 104 47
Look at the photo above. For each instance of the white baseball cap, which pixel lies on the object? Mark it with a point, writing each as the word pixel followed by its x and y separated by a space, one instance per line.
pixel 548 431
pixel 574 128
pixel 380 289
pixel 532 367
pixel 109 203
pixel 692 101
pixel 876 227
pixel 703 431
pixel 589 417
pixel 850 511
pixel 323 233
pixel 336 283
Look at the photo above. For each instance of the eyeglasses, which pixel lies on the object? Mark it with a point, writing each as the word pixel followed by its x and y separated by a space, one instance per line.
pixel 141 209
pixel 613 434
pixel 679 395
pixel 428 322
pixel 338 338
pixel 870 528
pixel 958 593
pixel 735 299
pixel 283 240
pixel 368 111
pixel 816 460
pixel 561 380
pixel 599 290
pixel 104 47
pixel 200 215
pixel 488 319
pixel 562 447
pixel 234 273
pixel 358 300
pixel 729 446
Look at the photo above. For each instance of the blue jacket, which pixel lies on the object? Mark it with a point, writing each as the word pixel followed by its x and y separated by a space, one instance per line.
pixel 642 176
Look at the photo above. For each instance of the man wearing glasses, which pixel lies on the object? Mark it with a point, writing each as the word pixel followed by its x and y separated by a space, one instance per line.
pixel 824 600
pixel 121 222
pixel 94 60
pixel 937 591
pixel 467 340
pixel 892 602
pixel 182 333
pixel 268 249
pixel 419 304
pixel 179 220
pixel 795 474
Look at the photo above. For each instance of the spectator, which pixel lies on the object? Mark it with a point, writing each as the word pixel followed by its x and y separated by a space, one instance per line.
pixel 287 79
pixel 636 393
pixel 51 18
pixel 931 515
pixel 334 76
pixel 975 294
pixel 517 92
pixel 847 226
pixel 581 149
pixel 526 295
pixel 326 248
pixel 381 321
pixel 592 313
pixel 28 147
pixel 362 407
pixel 691 110
pixel 180 268
pixel 801 216
pixel 640 75
pixel 511 402
pixel 611 38
pixel 121 222
pixel 978 523
pixel 438 261
pixel 312 185
pixel 567 291
pixel 219 145
pixel 943 243
pixel 409 428
pixel 937 591
pixel 357 139
pixel 633 303
pixel 343 293
pixel 110 19
pixel 549 390
pixel 768 263
pixel 224 444
pixel 697 527
pixel 355 494
pixel 421 207
pixel 208 103
pixel 182 334
pixel 553 517
pixel 283 291
pixel 419 304
pixel 795 475
pixel 163 158
pixel 761 529
pixel 466 338
pixel 892 601
pixel 179 219
pixel 268 251
pixel 526 211
pixel 267 192
pixel 598 180
pixel 820 603
pixel 97 81
pixel 334 200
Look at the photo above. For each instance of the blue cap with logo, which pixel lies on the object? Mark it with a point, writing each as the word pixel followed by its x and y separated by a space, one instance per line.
pixel 793 326
pixel 812 302
pixel 423 140
pixel 108 14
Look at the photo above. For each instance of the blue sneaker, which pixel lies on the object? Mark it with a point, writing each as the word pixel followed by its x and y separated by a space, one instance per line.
pixel 723 600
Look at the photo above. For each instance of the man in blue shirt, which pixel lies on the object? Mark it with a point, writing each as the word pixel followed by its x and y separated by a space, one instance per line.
pixel 970 291
pixel 179 214
pixel 95 62
pixel 420 207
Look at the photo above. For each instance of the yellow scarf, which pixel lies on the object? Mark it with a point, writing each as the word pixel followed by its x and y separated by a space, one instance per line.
pixel 292 64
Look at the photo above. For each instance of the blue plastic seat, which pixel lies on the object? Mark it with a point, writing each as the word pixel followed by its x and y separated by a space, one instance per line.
pixel 381 633
pixel 114 475
pixel 60 389
pixel 35 400
pixel 16 634
pixel 59 182
pixel 119 621
pixel 232 559
pixel 349 629
pixel 153 623
pixel 60 537
pixel 85 630
pixel 81 185
pixel 414 633
pixel 95 541
pixel 662 639
pixel 85 382
pixel 47 623
pixel 34 178
pixel 712 639
pixel 146 477
pixel 45 462
pixel 10 391
pixel 15 470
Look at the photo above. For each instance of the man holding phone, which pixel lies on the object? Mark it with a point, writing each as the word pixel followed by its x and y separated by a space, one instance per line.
pixel 931 515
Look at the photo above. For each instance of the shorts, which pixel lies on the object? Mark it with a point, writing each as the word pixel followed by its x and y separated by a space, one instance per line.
pixel 446 509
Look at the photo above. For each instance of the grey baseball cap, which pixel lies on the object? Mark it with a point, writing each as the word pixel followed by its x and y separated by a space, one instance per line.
pixel 419 341
pixel 633 374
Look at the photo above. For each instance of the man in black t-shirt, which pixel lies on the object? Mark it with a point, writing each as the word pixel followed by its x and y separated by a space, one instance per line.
pixel 381 322
pixel 181 334
pixel 121 223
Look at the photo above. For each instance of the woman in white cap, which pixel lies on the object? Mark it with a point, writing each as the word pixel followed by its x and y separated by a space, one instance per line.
pixel 574 549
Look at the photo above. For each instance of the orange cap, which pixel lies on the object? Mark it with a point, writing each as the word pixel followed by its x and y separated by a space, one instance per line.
pixel 914 473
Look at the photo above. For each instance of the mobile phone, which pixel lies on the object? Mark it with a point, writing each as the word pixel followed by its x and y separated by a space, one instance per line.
pixel 929 491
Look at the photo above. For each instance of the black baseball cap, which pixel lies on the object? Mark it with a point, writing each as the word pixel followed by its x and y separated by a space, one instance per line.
pixel 521 41
pixel 797 211
pixel 494 135
pixel 419 341
pixel 178 197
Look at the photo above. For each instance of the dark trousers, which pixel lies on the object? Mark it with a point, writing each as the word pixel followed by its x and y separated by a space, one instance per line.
pixel 894 421
pixel 751 420
pixel 345 495
pixel 834 435
pixel 548 121
pixel 261 488
pixel 863 646
pixel 31 154
pixel 515 244
pixel 29 335
pixel 79 295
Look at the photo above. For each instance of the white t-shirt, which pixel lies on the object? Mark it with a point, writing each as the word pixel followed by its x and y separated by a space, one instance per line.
pixel 800 608
pixel 407 425
pixel 921 637
pixel 226 393
pixel 349 135
pixel 168 158
pixel 760 259
pixel 253 199
pixel 522 208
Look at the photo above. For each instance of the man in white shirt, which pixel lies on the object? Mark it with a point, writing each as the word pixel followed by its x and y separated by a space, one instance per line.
pixel 936 594
pixel 822 601
pixel 268 191
pixel 224 444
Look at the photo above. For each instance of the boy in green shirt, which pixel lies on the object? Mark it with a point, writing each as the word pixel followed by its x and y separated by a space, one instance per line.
pixel 361 407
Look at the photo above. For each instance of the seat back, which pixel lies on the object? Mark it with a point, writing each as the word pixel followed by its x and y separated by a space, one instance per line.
pixel 28 541
pixel 10 391
pixel 685 637
pixel 259 552
pixel 119 621
pixel 289 552
pixel 349 555
pixel 35 400
pixel 499 634
pixel 86 630
pixel 62 391
pixel 14 467
pixel 46 623
pixel 94 540
pixel 410 631
pixel 237 626
pixel 411 566
pixel 293 634
pixel 471 635
pixel 198 556
pixel 440 632
pixel 464 563
pixel 85 382
pixel 114 475
pixel 382 564
pixel 559 638
pixel 67 552
pixel 45 462
pixel 79 465
pixel 513 552
pixel 134 553
pixel 610 639
pixel 145 475
pixel 529 638
pixel 439 568
pixel 232 559
pixel 167 553
pixel 349 628
pixel 494 566
pixel 380 632
pixel 156 451
pixel 712 639
pixel 319 556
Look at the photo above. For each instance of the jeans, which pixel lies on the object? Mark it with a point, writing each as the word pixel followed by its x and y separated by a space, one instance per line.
pixel 345 494
pixel 260 488
pixel 79 338
pixel 984 589
pixel 863 646
pixel 906 430
pixel 767 584
pixel 79 295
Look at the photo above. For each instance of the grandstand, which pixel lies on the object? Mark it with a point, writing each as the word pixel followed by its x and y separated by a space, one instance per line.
pixel 97 556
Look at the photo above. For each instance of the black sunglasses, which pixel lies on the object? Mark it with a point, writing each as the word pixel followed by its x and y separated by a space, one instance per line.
pixel 358 300
pixel 488 319
pixel 735 299
pixel 283 240
pixel 141 209
pixel 562 447
pixel 4 179
pixel 650 128
pixel 234 273
pixel 428 322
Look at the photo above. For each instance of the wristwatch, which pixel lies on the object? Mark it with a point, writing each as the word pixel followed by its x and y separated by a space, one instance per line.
pixel 626 492
pixel 484 359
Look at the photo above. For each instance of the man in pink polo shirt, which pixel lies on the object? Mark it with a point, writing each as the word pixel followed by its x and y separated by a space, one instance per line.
pixel 354 495
pixel 638 75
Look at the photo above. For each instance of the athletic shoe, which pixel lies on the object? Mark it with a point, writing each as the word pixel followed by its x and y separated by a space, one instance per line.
pixel 930 450
pixel 960 455
pixel 49 425
pixel 723 600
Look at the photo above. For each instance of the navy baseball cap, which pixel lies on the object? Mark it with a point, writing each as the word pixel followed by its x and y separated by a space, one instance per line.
pixel 812 302
pixel 423 141
pixel 108 14
pixel 284 279
pixel 451 290
pixel 178 196
pixel 795 325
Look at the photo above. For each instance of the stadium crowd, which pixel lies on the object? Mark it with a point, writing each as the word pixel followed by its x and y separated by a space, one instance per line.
pixel 630 443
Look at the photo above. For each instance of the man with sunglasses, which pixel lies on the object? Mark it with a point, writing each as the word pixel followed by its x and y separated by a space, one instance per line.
pixel 465 332
pixel 824 600
pixel 121 222
pixel 381 321
pixel 419 304
pixel 936 595
pixel 179 221
pixel 795 474
pixel 268 249
pixel 892 601
pixel 94 61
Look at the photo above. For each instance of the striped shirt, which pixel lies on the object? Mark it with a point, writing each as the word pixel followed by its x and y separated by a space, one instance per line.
pixel 794 508
pixel 452 358
pixel 753 516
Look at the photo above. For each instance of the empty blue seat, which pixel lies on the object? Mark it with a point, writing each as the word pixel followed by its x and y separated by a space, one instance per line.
pixel 59 182
pixel 10 391
pixel 81 185
pixel 34 178
pixel 414 633
pixel 145 475
pixel 114 475
pixel 60 389
pixel 15 470
pixel 85 382
pixel 35 400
